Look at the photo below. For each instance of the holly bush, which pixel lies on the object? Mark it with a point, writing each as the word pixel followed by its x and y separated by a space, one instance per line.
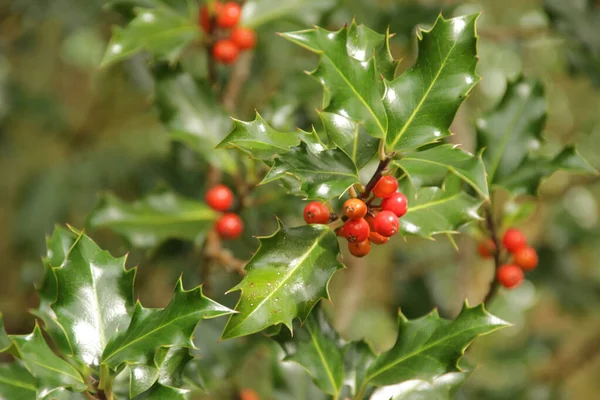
pixel 369 161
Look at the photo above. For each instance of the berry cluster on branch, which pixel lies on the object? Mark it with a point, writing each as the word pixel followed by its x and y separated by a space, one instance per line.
pixel 220 198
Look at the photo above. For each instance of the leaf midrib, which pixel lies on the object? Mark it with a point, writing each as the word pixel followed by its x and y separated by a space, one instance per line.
pixel 433 203
pixel 323 360
pixel 16 383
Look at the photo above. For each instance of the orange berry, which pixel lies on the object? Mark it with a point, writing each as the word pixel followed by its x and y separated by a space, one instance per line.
pixel 510 275
pixel 359 249
pixel 376 238
pixel 526 258
pixel 385 187
pixel 487 249
pixel 355 208
pixel 514 240
pixel 244 38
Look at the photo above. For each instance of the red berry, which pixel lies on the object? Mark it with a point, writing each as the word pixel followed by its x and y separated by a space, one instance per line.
pixel 206 17
pixel 509 275
pixel 340 231
pixel 225 51
pixel 249 394
pixel 386 223
pixel 376 238
pixel 244 38
pixel 396 203
pixel 526 258
pixel 385 187
pixel 229 15
pixel 356 230
pixel 230 226
pixel 219 198
pixel 487 249
pixel 355 208
pixel 316 213
pixel 360 249
pixel 514 240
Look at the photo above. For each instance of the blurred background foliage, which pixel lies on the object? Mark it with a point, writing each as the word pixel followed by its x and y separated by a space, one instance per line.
pixel 69 130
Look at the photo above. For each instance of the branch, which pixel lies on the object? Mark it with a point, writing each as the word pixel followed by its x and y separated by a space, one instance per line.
pixel 376 176
pixel 491 225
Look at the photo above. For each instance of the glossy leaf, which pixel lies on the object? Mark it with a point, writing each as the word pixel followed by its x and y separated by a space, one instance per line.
pixel 285 278
pixel 353 85
pixel 421 103
pixel 358 356
pixel 151 329
pixel 94 298
pixel 167 369
pixel 16 382
pixel 260 12
pixel 192 114
pixel 65 394
pixel 431 167
pixel 162 392
pixel 258 139
pixel 49 370
pixel 443 387
pixel 160 216
pixel 5 342
pixel 513 128
pixel 430 346
pixel 161 31
pixel 350 137
pixel 314 347
pixel 324 174
pixel 434 210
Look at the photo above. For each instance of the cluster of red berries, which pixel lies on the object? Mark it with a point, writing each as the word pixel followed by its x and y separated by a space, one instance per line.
pixel 229 225
pixel 226 16
pixel 524 258
pixel 365 224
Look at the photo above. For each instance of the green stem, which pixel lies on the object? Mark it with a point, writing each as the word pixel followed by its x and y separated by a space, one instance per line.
pixel 105 384
pixel 361 392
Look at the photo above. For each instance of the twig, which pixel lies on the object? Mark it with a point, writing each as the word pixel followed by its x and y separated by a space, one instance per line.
pixel 239 76
pixel 491 225
pixel 376 176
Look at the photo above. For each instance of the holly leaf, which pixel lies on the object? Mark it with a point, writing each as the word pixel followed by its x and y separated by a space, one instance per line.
pixel 167 369
pixel 260 12
pixel 512 129
pixel 421 103
pixel 155 218
pixel 193 116
pixel 314 348
pixel 431 167
pixel 353 86
pixel 5 342
pixel 435 210
pixel 324 174
pixel 48 369
pixel 430 346
pixel 151 329
pixel 526 179
pixel 350 137
pixel 161 31
pixel 285 278
pixel 162 392
pixel 258 139
pixel 94 298
pixel 443 387
pixel 16 382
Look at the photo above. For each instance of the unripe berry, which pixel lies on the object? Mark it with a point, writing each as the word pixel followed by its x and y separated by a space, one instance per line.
pixel 376 238
pixel 396 203
pixel 359 249
pixel 526 258
pixel 514 240
pixel 487 249
pixel 219 198
pixel 316 213
pixel 229 15
pixel 244 38
pixel 249 394
pixel 355 208
pixel 230 226
pixel 386 223
pixel 225 51
pixel 356 230
pixel 385 187
pixel 509 275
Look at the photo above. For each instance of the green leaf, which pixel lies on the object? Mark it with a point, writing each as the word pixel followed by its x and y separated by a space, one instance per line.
pixel 16 382
pixel 431 167
pixel 443 387
pixel 157 217
pixel 193 116
pixel 151 329
pixel 430 346
pixel 350 137
pixel 258 139
pixel 353 85
pixel 324 174
pixel 161 31
pixel 513 128
pixel 94 298
pixel 515 213
pixel 434 210
pixel 358 356
pixel 421 103
pixel 162 392
pixel 529 175
pixel 259 12
pixel 167 369
pixel 314 348
pixel 5 342
pixel 285 278
pixel 49 370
